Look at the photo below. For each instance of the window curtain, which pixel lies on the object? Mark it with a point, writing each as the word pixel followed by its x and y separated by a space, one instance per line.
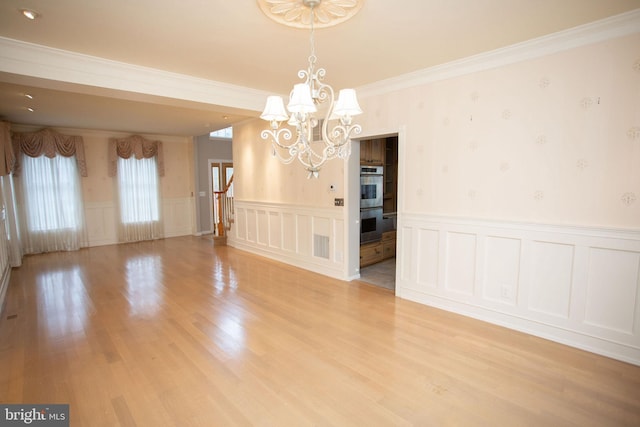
pixel 11 221
pixel 137 163
pixel 49 192
pixel 7 190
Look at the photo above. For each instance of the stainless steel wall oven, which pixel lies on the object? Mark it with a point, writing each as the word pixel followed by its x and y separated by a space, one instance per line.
pixel 371 186
pixel 370 225
pixel 371 192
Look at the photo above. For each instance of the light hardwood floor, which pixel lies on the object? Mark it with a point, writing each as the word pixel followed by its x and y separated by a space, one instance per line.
pixel 179 333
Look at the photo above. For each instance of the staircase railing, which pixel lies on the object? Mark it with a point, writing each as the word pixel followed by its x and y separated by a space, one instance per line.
pixel 223 211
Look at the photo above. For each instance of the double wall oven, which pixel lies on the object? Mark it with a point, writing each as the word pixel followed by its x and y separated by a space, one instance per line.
pixel 371 200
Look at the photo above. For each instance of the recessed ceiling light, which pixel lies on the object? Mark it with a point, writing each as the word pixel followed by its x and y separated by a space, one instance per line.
pixel 30 109
pixel 29 14
pixel 27 95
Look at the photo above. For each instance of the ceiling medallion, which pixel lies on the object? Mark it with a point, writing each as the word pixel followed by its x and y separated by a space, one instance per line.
pixel 296 13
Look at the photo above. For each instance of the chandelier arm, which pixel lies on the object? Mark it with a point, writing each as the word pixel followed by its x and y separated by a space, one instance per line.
pixel 277 146
pixel 275 136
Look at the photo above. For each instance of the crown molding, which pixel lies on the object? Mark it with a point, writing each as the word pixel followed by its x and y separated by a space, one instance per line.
pixel 610 28
pixel 42 62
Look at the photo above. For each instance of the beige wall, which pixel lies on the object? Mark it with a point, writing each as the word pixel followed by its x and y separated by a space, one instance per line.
pixel 98 188
pixel 262 177
pixel 551 140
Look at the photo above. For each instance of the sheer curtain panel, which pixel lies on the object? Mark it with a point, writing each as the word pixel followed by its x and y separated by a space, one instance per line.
pixel 137 164
pixel 11 220
pixel 139 201
pixel 7 163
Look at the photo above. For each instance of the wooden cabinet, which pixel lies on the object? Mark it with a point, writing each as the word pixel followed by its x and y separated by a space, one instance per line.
pixel 388 244
pixel 371 253
pixel 372 152
pixel 390 198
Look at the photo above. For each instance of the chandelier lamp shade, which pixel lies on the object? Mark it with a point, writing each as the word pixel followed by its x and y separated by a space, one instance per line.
pixel 322 124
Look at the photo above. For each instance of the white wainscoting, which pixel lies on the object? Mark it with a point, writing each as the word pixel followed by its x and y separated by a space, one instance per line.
pixel 178 214
pixel 575 285
pixel 101 219
pixel 310 238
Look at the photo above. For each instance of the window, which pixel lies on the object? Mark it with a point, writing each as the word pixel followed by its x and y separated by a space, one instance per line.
pixel 50 197
pixel 52 189
pixel 138 188
pixel 139 199
pixel 222 133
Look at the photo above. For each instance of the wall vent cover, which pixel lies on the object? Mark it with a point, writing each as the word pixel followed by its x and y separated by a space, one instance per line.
pixel 321 246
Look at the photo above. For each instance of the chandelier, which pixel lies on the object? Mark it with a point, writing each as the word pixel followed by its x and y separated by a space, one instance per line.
pixel 317 139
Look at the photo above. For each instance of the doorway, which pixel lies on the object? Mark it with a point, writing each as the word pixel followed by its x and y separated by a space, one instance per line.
pixel 378 255
pixel 221 185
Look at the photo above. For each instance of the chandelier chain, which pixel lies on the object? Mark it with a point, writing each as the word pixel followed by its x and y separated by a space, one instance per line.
pixel 312 40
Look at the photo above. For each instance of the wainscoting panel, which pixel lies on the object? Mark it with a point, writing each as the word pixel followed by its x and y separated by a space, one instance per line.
pixel 613 282
pixel 501 278
pixel 460 264
pixel 101 220
pixel 550 281
pixel 251 225
pixel 240 218
pixel 263 227
pixel 275 230
pixel 304 234
pixel 178 215
pixel 289 228
pixel 310 238
pixel 429 248
pixel 337 233
pixel 575 285
pixel 407 244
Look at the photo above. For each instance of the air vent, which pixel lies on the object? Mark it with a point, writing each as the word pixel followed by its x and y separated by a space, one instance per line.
pixel 321 246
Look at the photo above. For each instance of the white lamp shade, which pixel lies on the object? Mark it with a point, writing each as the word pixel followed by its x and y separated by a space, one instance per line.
pixel 300 100
pixel 347 104
pixel 274 110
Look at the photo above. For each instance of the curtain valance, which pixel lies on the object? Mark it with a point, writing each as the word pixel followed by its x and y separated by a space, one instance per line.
pixel 7 156
pixel 137 146
pixel 49 142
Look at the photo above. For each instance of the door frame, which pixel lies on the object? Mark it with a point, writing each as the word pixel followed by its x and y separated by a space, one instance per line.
pixel 210 162
pixel 352 184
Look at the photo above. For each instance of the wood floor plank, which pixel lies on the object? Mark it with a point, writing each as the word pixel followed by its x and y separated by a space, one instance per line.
pixel 178 332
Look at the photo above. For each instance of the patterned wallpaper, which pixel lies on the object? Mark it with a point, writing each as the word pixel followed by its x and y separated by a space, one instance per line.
pixel 554 139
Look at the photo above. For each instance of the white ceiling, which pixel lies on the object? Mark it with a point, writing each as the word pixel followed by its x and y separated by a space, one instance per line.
pixel 231 42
